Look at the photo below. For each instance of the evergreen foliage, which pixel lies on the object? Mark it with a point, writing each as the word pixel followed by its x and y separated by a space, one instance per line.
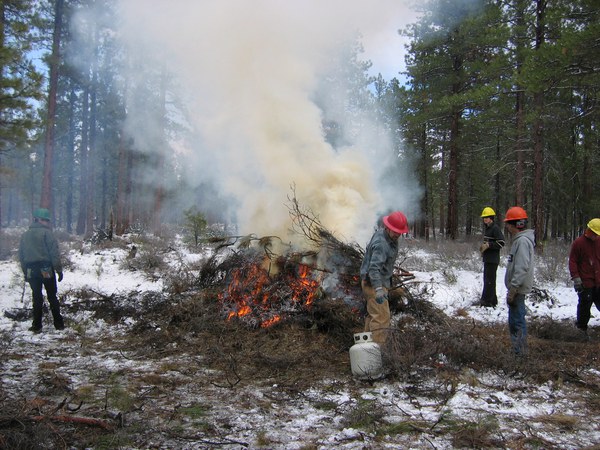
pixel 195 223
pixel 499 106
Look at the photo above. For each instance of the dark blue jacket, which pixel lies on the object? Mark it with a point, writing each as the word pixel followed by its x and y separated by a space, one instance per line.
pixel 494 237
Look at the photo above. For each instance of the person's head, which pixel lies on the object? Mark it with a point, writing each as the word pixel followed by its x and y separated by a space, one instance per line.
pixel 515 219
pixel 396 224
pixel 41 215
pixel 488 215
pixel 593 229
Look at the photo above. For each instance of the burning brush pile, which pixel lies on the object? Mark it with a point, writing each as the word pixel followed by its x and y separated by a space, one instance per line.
pixel 260 288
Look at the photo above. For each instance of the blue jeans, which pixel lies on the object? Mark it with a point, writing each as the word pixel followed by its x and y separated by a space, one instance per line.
pixel 517 326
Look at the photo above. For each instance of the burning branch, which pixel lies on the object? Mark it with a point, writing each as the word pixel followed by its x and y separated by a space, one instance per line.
pixel 306 223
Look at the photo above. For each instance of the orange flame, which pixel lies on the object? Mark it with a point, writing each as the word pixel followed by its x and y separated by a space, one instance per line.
pixel 253 293
pixel 271 321
pixel 304 288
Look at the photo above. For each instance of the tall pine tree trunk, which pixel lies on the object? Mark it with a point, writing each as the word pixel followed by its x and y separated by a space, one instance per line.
pixel 159 189
pixel 92 162
pixel 46 195
pixel 587 175
pixel 123 186
pixel 423 224
pixel 520 147
pixel 452 221
pixel 2 40
pixel 84 164
pixel 520 140
pixel 70 161
pixel 538 135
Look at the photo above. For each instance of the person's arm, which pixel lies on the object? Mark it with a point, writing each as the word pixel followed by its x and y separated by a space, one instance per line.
pixel 53 252
pixel 376 265
pixel 498 241
pixel 522 264
pixel 574 258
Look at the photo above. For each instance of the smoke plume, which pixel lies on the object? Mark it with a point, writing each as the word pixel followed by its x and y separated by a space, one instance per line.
pixel 250 74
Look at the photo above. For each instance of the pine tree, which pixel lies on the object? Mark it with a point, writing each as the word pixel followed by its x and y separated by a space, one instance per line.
pixel 20 81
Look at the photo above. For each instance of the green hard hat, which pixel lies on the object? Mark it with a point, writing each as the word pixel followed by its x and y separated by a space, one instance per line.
pixel 42 213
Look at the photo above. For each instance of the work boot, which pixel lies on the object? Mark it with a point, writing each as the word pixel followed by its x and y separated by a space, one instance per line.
pixel 35 330
pixel 59 324
pixel 584 334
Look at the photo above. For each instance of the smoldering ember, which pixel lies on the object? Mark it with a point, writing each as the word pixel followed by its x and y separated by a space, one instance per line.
pixel 232 344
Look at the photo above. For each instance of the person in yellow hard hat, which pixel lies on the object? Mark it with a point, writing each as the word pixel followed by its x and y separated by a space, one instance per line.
pixel 584 267
pixel 493 241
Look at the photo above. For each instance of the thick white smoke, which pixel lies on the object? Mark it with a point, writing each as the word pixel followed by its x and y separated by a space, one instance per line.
pixel 248 71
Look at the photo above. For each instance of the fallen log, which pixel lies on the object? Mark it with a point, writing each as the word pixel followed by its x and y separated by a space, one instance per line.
pixel 75 419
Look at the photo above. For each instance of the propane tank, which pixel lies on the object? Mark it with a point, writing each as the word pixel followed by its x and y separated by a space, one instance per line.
pixel 365 357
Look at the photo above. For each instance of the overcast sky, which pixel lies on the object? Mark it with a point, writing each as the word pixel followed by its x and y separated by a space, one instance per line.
pixel 384 46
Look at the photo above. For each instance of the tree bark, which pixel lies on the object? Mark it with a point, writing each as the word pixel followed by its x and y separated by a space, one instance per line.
pixel 520 139
pixel 46 195
pixel 159 189
pixel 84 165
pixel 423 224
pixel 538 136
pixel 452 221
pixel 70 162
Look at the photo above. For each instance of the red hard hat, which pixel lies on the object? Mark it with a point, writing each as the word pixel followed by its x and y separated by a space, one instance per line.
pixel 396 222
pixel 515 213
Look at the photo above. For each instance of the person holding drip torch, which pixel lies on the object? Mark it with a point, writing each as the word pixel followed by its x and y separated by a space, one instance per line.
pixel 493 241
pixel 376 274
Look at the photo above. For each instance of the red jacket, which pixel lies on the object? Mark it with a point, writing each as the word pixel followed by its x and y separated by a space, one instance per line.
pixel 584 261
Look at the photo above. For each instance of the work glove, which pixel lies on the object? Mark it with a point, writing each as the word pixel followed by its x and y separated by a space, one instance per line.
pixel 510 296
pixel 483 247
pixel 578 284
pixel 60 276
pixel 380 295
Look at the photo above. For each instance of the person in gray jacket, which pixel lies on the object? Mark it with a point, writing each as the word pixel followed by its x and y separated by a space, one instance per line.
pixel 376 274
pixel 40 261
pixel 519 276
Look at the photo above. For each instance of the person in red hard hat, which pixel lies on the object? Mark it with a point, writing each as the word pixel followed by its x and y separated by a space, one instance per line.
pixel 376 274
pixel 518 278
pixel 584 267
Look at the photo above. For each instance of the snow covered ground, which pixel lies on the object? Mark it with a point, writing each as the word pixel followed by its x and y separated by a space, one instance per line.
pixel 269 416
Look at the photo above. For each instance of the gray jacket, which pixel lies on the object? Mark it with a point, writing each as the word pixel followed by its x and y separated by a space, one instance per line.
pixel 38 245
pixel 519 271
pixel 380 256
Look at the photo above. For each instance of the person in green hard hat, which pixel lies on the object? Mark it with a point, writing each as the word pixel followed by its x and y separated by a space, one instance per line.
pixel 40 261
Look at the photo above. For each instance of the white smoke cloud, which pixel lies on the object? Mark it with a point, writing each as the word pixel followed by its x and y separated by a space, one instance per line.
pixel 248 71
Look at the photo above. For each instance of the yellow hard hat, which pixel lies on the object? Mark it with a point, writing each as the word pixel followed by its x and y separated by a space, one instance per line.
pixel 594 225
pixel 488 212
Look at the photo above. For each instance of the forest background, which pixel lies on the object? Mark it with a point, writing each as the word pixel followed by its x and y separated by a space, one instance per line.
pixel 496 105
